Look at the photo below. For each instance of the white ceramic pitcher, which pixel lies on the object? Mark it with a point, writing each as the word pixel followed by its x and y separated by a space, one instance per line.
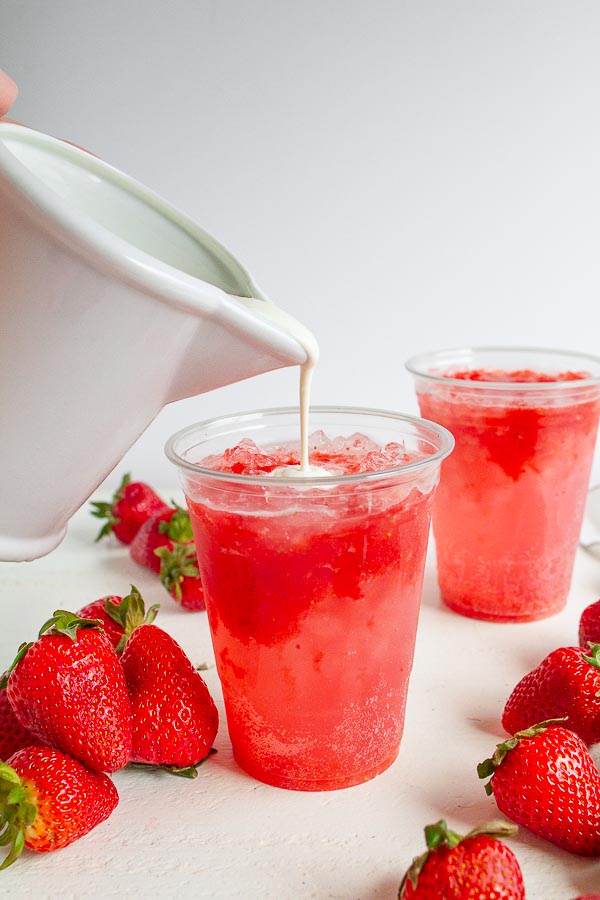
pixel 112 304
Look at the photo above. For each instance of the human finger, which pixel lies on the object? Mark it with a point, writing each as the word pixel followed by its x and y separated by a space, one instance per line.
pixel 8 93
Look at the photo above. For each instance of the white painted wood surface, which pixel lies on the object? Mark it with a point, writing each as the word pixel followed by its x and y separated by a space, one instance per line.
pixel 228 836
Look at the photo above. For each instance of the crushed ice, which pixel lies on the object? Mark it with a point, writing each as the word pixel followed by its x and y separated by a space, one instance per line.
pixel 340 455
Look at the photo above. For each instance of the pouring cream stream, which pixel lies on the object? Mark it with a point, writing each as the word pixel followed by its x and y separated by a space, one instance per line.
pixel 308 342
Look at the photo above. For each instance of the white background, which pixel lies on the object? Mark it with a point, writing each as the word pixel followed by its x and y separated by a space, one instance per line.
pixel 399 175
pixel 225 836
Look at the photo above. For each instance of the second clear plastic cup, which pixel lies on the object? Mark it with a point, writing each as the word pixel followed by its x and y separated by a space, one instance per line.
pixel 312 590
pixel 508 512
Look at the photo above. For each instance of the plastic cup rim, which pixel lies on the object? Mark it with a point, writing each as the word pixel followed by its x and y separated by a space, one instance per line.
pixel 417 366
pixel 445 438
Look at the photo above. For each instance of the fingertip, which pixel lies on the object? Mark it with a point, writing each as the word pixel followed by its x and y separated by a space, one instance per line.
pixel 8 93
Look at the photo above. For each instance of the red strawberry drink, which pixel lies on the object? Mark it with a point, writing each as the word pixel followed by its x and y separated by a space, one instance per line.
pixel 312 585
pixel 508 512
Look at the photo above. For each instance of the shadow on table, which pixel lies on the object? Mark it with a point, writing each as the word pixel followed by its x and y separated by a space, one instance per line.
pixel 491 725
pixel 587 882
pixel 387 889
pixel 431 592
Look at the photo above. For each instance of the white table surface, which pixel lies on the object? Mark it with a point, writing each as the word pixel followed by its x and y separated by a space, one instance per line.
pixel 225 835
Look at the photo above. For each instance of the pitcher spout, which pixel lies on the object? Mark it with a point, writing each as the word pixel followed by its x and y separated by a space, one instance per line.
pixel 247 336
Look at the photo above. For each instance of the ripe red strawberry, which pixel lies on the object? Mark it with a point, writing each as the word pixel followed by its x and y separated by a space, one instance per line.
pixel 174 718
pixel 566 683
pixel 131 505
pixel 68 690
pixel 180 575
pixel 13 736
pixel 166 529
pixel 464 868
pixel 119 615
pixel 48 800
pixel 589 625
pixel 544 779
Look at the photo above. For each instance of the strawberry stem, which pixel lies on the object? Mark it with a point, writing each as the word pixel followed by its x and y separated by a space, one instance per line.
pixel 179 527
pixel 16 814
pixel 594 658
pixel 130 613
pixel 67 623
pixel 439 835
pixel 118 495
pixel 487 768
pixel 176 564
pixel 103 510
pixel 181 771
pixel 496 828
pixel 20 654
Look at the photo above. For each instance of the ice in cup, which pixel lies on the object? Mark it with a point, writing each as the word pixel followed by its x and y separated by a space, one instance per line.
pixel 508 512
pixel 312 585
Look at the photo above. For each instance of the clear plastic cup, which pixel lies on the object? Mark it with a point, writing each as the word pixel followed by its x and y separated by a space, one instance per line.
pixel 312 589
pixel 508 512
